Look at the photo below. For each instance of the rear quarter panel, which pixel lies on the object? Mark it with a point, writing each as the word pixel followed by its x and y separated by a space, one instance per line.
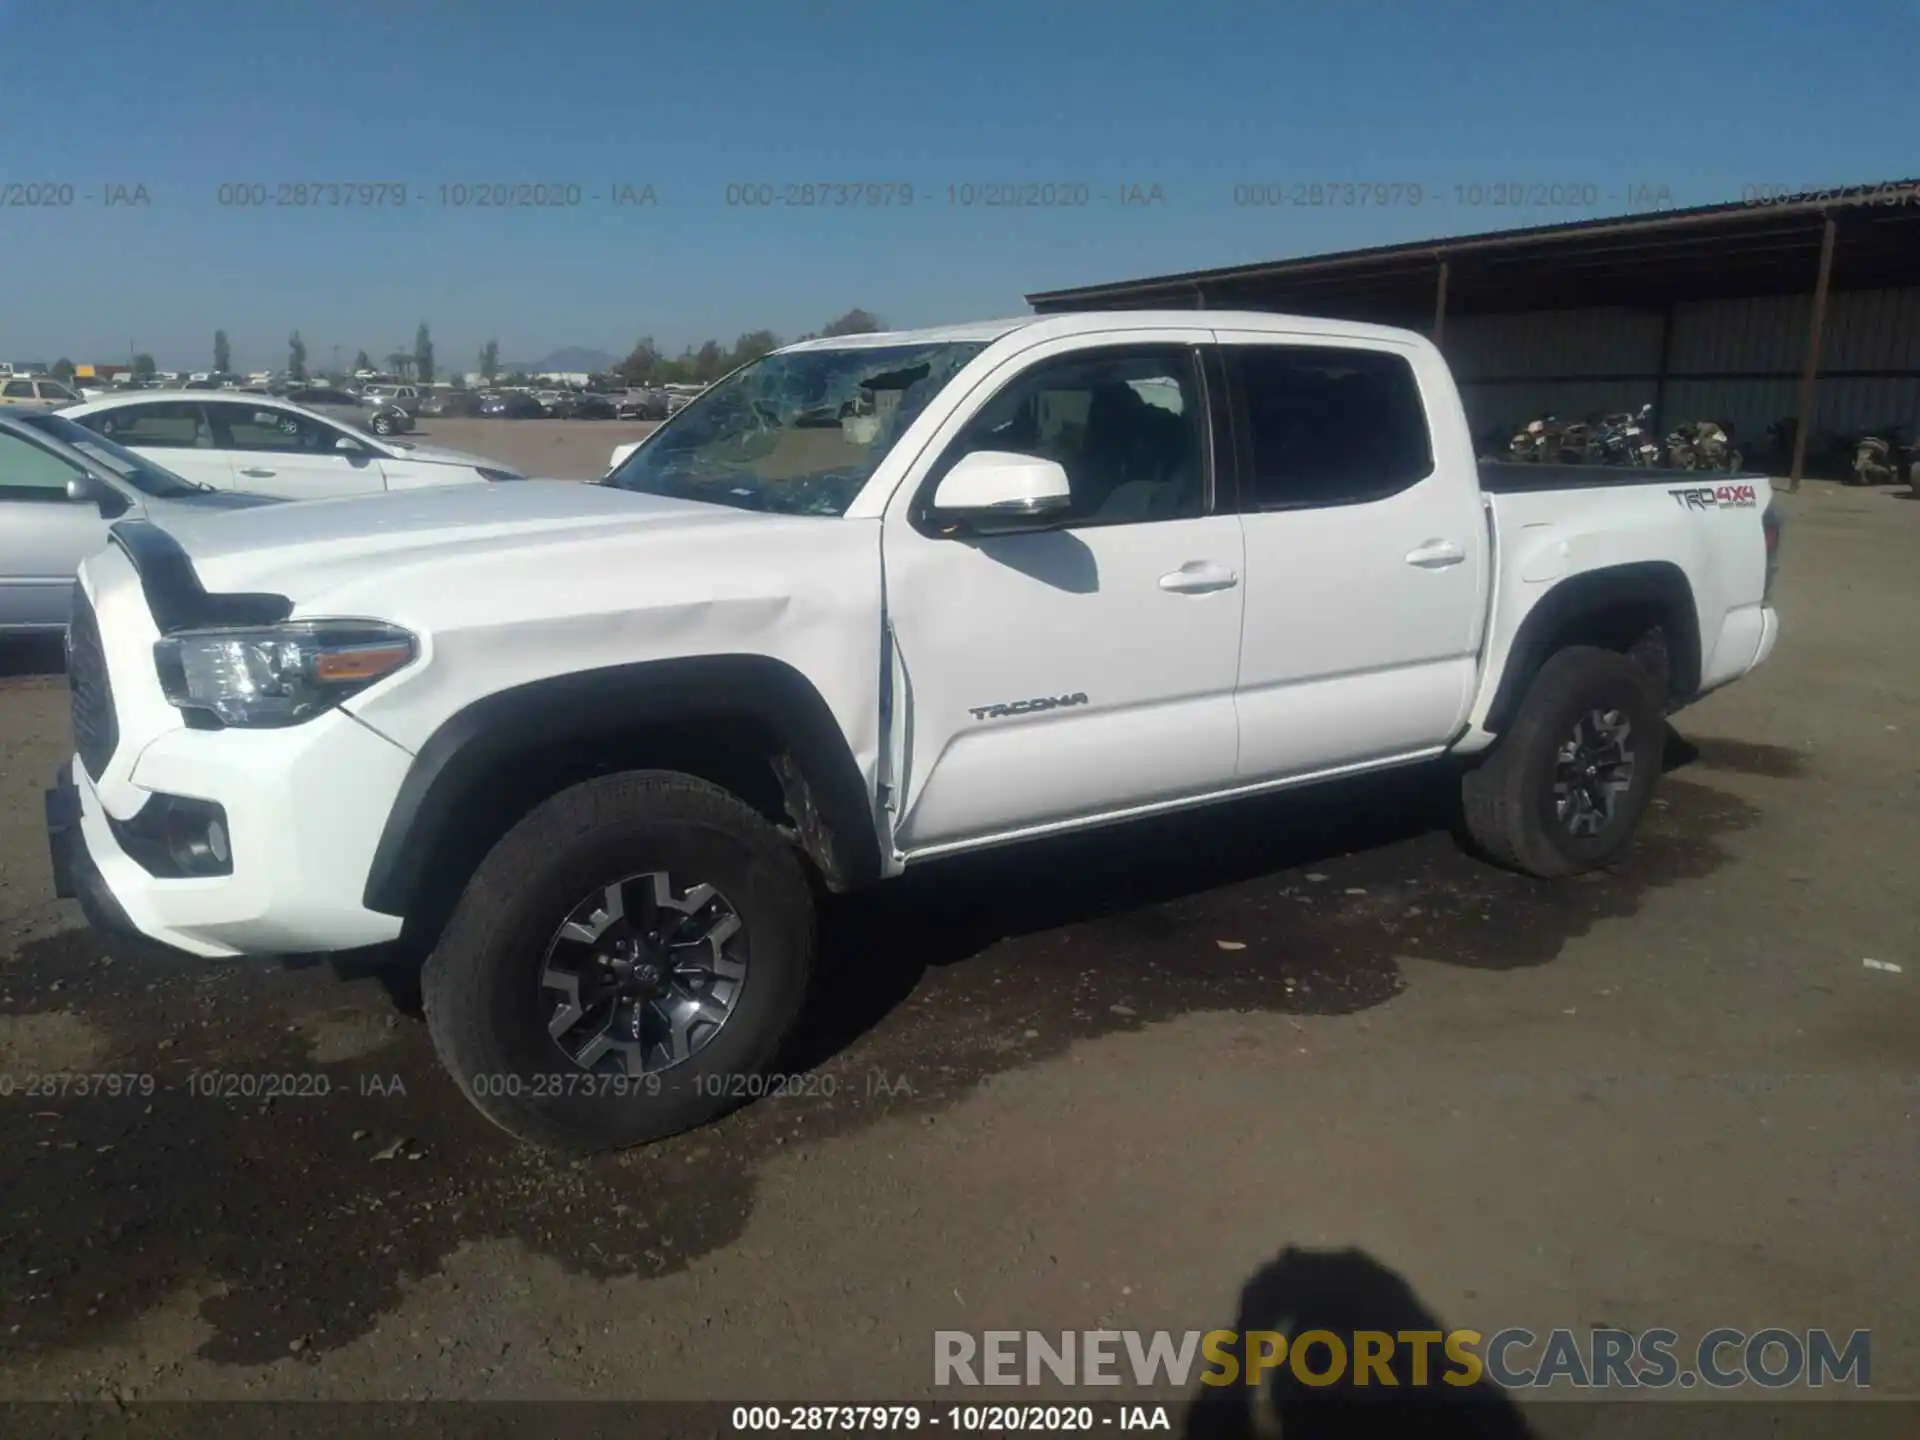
pixel 1709 530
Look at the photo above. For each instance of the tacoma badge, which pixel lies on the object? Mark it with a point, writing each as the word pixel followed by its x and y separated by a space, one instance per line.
pixel 1026 707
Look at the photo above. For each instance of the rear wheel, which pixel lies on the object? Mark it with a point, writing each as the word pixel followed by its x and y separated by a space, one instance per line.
pixel 1564 789
pixel 383 425
pixel 623 963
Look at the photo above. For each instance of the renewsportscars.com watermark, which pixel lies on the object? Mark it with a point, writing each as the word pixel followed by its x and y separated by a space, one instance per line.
pixel 1513 1359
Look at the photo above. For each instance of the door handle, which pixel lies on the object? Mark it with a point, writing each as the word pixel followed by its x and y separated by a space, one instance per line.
pixel 1197 577
pixel 256 473
pixel 1436 555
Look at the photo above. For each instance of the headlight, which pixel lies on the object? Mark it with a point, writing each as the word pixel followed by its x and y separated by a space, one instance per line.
pixel 279 674
pixel 487 474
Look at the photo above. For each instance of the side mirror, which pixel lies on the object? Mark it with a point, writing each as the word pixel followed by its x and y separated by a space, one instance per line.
pixel 91 490
pixel 996 491
pixel 621 452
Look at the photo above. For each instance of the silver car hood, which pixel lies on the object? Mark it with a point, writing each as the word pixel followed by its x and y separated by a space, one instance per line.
pixel 170 509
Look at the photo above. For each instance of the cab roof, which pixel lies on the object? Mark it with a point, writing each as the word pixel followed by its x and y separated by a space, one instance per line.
pixel 1085 322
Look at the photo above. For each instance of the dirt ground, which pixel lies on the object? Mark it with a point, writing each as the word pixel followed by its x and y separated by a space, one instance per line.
pixel 1097 1084
pixel 553 449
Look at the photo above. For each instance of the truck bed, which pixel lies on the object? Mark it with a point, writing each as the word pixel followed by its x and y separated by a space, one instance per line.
pixel 1506 477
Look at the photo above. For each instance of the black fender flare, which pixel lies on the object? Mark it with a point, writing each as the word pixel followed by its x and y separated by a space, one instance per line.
pixel 472 743
pixel 1565 612
pixel 175 597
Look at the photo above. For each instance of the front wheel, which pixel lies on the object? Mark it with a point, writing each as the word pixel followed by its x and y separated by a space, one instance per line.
pixel 382 425
pixel 624 964
pixel 1564 788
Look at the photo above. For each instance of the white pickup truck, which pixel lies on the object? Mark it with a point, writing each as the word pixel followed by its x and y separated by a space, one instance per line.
pixel 868 601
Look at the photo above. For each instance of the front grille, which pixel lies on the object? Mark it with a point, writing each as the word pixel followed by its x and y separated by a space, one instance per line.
pixel 96 732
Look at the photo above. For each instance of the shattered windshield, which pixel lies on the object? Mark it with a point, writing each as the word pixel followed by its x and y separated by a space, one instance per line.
pixel 795 433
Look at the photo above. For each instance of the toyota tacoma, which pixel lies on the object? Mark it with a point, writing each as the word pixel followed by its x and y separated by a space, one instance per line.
pixel 867 601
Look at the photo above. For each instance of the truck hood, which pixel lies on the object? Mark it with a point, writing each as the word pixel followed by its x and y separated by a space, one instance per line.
pixel 304 549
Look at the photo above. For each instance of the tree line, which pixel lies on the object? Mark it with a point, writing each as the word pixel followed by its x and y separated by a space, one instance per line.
pixel 417 364
pixel 697 365
pixel 645 363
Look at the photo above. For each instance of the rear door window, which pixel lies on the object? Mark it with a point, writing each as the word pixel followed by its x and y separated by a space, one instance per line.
pixel 162 425
pixel 1327 425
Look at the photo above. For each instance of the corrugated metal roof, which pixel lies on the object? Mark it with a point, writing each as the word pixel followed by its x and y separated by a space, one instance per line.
pixel 1644 261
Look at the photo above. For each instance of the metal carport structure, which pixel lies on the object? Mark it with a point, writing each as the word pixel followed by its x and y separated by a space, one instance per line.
pixel 1664 277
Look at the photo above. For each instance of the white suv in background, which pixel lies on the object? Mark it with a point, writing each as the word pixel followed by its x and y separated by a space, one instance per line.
pixel 273 447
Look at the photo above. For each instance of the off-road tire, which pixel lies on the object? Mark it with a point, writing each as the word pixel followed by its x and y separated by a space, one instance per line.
pixel 1508 801
pixel 481 987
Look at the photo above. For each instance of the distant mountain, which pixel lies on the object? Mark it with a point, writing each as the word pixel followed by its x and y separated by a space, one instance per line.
pixel 574 357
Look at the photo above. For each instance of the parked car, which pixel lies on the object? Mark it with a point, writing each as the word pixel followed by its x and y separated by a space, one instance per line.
pixel 36 390
pixel 61 485
pixel 273 446
pixel 448 404
pixel 643 405
pixel 599 744
pixel 364 412
pixel 512 405
pixel 593 407
pixel 409 398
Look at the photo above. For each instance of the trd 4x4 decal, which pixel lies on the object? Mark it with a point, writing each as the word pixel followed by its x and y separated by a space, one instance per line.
pixel 1715 497
pixel 1026 707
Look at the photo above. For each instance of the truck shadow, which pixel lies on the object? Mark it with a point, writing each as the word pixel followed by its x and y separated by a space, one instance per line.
pixel 285 1149
pixel 1300 902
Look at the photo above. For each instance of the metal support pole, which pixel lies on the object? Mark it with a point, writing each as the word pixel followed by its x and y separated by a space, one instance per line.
pixel 1660 426
pixel 1440 306
pixel 1810 371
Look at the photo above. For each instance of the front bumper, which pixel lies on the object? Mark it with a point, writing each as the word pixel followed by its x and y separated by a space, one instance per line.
pixel 303 824
pixel 300 810
pixel 75 876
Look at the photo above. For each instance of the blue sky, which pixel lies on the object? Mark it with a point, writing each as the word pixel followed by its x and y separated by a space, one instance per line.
pixel 1195 98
